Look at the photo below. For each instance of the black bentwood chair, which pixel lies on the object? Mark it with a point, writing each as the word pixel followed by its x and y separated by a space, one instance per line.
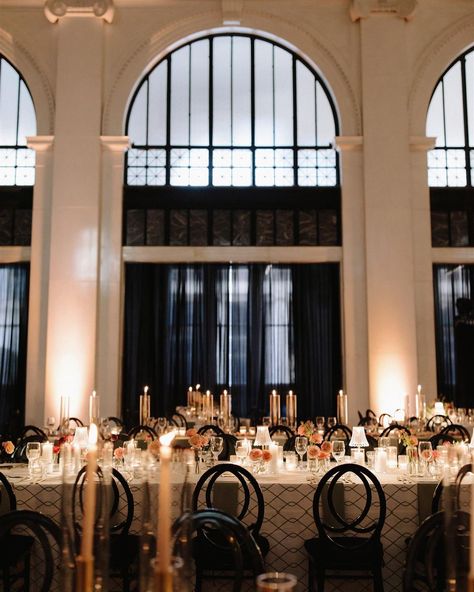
pixel 347 544
pixel 209 558
pixel 438 420
pixel 22 531
pixel 457 431
pixel 281 429
pixel 224 536
pixel 426 568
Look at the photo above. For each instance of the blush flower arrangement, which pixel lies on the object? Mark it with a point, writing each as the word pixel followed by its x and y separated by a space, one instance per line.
pixel 408 440
pixel 7 449
pixel 198 443
pixel 309 430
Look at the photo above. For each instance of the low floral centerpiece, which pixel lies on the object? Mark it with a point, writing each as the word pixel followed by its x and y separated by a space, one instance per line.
pixel 198 443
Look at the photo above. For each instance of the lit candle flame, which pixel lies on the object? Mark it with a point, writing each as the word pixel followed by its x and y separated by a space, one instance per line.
pixel 274 392
pixel 225 392
pixel 341 392
pixel 197 386
pixel 190 389
pixel 145 390
pixel 94 393
pixel 290 392
pixel 166 439
pixel 419 389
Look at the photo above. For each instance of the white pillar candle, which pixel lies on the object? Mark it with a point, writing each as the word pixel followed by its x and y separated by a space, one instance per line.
pixel 47 452
pixel 87 542
pixel 163 549
pixel 190 396
pixel 380 462
pixel 225 406
pixel 273 448
pixel 208 406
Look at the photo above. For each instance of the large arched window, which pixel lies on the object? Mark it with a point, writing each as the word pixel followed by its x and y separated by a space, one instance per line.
pixel 237 112
pixel 17 121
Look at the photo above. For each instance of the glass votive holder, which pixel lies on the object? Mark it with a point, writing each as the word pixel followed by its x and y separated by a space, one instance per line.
pixel 276 582
pixel 290 460
pixel 243 429
pixel 403 463
pixel 384 442
pixel 358 456
pixel 380 460
pixel 392 453
pixel 252 431
pixel 370 455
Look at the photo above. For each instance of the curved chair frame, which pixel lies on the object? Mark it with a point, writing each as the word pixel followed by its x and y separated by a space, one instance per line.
pixel 5 483
pixel 394 426
pixel 281 428
pixel 211 428
pixel 431 422
pixel 142 428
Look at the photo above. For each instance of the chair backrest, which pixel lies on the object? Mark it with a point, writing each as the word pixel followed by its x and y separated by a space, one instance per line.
pixel 457 431
pixel 252 509
pixel 46 559
pixel 229 446
pixel 289 445
pixel 121 508
pixel 180 420
pixel 442 420
pixel 142 428
pixel 330 521
pixel 425 567
pixel 282 430
pixel 339 431
pixel 31 430
pixel 437 495
pixel 438 439
pixel 224 532
pixel 19 454
pixel 7 497
pixel 394 427
pixel 216 430
pixel 383 417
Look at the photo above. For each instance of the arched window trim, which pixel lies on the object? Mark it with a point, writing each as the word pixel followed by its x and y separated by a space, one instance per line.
pixel 296 58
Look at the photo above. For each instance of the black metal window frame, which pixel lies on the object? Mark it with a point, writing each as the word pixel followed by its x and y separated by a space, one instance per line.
pixel 294 148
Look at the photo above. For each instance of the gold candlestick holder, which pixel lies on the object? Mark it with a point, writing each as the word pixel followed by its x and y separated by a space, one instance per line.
pixel 84 574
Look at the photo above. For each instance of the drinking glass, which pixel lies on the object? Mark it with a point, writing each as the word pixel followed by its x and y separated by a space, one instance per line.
pixel 320 423
pixel 276 582
pixel 161 424
pixel 129 453
pixel 425 451
pixel 33 452
pixel 216 446
pixel 301 445
pixel 332 421
pixel 242 450
pixel 338 450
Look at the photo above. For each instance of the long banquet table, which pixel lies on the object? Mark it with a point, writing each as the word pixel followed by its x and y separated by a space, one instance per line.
pixel 288 515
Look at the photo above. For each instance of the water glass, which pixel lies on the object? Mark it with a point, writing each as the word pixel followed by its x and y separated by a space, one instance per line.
pixel 370 454
pixel 290 460
pixel 338 450
pixel 242 449
pixel 301 445
pixel 276 582
pixel 216 447
pixel 392 453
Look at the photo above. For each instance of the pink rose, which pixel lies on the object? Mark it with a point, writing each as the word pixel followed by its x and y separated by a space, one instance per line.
pixel 435 454
pixel 118 453
pixel 316 438
pixel 255 454
pixel 426 454
pixel 8 446
pixel 301 430
pixel 313 452
pixel 324 455
pixel 326 446
pixel 154 447
pixel 191 432
pixel 447 444
pixel 266 455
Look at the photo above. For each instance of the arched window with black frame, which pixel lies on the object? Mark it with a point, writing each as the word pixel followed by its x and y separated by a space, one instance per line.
pixel 232 145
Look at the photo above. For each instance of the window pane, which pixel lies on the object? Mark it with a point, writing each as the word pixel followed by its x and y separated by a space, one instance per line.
pixel 180 96
pixel 9 86
pixel 137 121
pixel 199 99
pixel 264 115
pixel 325 120
pixel 157 105
pixel 306 109
pixel 27 116
pixel 283 98
pixel 222 86
pixel 241 95
pixel 470 96
pixel 453 106
pixel 435 119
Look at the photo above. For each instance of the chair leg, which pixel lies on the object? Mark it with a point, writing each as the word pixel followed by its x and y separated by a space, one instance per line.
pixel 378 579
pixel 320 577
pixel 198 585
pixel 310 576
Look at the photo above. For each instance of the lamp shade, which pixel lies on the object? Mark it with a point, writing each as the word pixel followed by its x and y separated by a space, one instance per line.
pixel 263 436
pixel 358 437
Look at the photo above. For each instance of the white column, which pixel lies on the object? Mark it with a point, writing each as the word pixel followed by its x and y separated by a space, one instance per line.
pixel 354 297
pixel 392 337
pixel 73 274
pixel 425 323
pixel 39 271
pixel 109 338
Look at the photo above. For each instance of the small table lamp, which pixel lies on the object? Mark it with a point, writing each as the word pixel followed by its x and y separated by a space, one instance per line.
pixel 263 437
pixel 359 440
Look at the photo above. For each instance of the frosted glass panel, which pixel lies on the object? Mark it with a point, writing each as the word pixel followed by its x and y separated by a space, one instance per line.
pixel 264 115
pixel 157 105
pixel 470 96
pixel 199 99
pixel 435 119
pixel 241 92
pixel 325 120
pixel 222 89
pixel 137 120
pixel 453 106
pixel 27 117
pixel 283 98
pixel 180 96
pixel 306 130
pixel 9 81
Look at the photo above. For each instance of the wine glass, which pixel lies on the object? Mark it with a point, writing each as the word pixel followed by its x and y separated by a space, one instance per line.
pixel 425 451
pixel 332 421
pixel 320 423
pixel 301 445
pixel 242 450
pixel 338 450
pixel 33 452
pixel 161 424
pixel 216 446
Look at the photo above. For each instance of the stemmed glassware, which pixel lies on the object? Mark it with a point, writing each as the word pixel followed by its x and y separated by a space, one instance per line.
pixel 33 452
pixel 338 450
pixel 242 449
pixel 301 445
pixel 216 447
pixel 320 424
pixel 332 421
pixel 425 451
pixel 161 424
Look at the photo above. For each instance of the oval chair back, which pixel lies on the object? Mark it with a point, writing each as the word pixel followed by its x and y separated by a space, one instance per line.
pixel 7 497
pixel 142 428
pixel 339 432
pixel 282 430
pixel 457 431
pixel 216 430
pixel 442 420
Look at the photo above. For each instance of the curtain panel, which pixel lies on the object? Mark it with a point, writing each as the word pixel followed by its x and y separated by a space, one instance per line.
pixel 14 288
pixel 247 328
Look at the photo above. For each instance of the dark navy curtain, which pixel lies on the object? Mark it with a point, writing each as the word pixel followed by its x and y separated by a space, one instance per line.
pixel 249 328
pixel 14 285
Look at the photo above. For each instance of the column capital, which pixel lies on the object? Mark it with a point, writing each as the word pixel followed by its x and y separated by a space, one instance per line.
pixel 40 143
pixel 115 143
pixel 422 143
pixel 348 143
pixel 56 9
pixel 403 9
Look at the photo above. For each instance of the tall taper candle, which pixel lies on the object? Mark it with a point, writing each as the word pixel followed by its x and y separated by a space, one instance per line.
pixel 208 406
pixel 190 396
pixel 226 406
pixel 163 549
pixel 291 409
pixel 274 408
pixel 94 409
pixel 342 412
